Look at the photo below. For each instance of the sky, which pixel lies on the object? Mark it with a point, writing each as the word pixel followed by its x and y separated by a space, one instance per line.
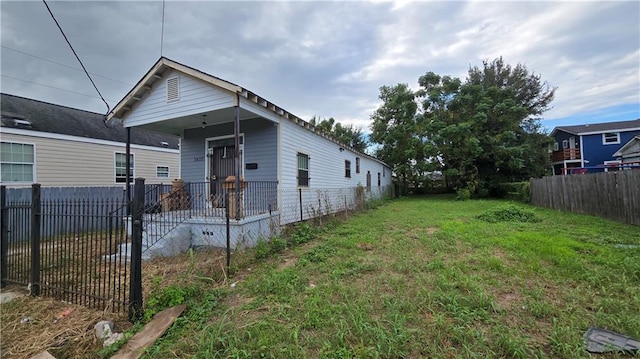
pixel 326 59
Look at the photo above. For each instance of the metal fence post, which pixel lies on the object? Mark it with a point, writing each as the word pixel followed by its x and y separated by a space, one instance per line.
pixel 226 210
pixel 135 281
pixel 35 239
pixel 4 237
pixel 300 199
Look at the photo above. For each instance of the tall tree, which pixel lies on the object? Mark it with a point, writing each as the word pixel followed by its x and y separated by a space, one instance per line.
pixel 395 130
pixel 486 131
pixel 346 134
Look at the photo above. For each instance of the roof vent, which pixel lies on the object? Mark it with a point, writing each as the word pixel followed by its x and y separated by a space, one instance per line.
pixel 164 144
pixel 173 90
pixel 22 123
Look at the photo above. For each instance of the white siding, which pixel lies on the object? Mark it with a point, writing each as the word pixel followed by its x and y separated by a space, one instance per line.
pixel 326 170
pixel 65 163
pixel 195 96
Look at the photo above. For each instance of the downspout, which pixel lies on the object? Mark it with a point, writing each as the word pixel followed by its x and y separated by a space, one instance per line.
pixel 236 130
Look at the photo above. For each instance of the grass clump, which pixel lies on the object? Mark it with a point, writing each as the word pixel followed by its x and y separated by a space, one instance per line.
pixel 509 213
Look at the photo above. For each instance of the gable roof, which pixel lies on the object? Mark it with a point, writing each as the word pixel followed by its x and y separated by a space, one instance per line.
pixel 33 115
pixel 595 128
pixel 164 64
pixel 627 146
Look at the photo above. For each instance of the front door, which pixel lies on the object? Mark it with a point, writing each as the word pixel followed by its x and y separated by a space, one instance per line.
pixel 221 163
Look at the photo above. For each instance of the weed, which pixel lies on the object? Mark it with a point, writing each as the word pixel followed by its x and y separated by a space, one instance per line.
pixel 509 213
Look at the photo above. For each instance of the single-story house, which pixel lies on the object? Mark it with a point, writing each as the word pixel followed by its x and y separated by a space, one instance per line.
pixel 629 154
pixel 290 171
pixel 591 147
pixel 59 146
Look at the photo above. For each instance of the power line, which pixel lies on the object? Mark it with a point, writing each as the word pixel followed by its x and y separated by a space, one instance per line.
pixel 61 64
pixel 53 87
pixel 78 58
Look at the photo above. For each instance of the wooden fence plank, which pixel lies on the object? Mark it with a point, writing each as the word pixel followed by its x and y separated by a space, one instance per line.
pixel 613 195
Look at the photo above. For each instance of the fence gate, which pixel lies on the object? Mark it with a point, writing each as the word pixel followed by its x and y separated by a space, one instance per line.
pixel 68 249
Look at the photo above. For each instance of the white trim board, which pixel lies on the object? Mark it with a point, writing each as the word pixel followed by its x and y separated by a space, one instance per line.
pixel 57 136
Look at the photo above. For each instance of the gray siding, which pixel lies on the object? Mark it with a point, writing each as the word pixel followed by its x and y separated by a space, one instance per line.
pixel 260 146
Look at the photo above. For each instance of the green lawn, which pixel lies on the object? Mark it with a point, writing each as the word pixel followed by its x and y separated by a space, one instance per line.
pixel 419 277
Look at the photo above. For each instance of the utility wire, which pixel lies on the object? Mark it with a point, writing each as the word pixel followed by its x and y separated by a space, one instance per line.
pixel 64 65
pixel 78 58
pixel 53 87
pixel 162 31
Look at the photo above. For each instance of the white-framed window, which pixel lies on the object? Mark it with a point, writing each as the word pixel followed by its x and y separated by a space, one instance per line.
pixel 303 170
pixel 120 166
pixel 565 144
pixel 162 171
pixel 347 168
pixel 556 146
pixel 17 162
pixel 611 138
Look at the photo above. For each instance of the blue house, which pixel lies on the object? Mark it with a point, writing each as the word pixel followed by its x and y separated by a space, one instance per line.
pixel 592 147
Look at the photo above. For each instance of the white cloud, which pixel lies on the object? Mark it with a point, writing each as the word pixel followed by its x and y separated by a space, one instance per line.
pixel 327 58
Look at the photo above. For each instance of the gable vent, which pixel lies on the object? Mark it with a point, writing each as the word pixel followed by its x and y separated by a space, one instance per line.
pixel 173 89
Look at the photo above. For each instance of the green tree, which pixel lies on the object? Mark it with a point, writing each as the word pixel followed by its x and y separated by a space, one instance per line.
pixel 486 131
pixel 346 134
pixel 395 129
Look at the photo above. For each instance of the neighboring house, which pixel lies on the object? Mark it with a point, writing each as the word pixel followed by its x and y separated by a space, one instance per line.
pixel 285 160
pixel 590 148
pixel 59 146
pixel 629 154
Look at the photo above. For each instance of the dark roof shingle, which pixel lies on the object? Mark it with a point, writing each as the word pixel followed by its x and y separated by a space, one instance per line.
pixel 599 127
pixel 48 117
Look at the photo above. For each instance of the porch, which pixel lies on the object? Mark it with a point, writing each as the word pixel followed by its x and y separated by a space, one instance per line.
pixel 197 214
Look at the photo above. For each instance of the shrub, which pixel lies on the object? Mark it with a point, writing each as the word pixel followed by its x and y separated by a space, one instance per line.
pixel 508 213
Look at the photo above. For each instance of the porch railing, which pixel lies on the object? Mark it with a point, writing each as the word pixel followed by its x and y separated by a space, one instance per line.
pixel 166 207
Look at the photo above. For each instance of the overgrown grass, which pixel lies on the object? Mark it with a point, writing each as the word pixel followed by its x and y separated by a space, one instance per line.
pixel 421 277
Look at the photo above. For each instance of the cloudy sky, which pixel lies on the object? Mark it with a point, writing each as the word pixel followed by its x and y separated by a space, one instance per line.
pixel 326 58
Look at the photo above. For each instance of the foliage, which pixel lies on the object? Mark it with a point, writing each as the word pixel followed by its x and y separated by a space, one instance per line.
pixel 346 134
pixel 486 131
pixel 518 191
pixel 162 298
pixel 395 129
pixel 371 286
pixel 508 213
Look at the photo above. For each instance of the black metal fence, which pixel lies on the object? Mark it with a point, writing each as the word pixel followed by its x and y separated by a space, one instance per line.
pixel 68 249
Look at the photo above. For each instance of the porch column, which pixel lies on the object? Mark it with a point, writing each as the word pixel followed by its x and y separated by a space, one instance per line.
pixel 127 174
pixel 236 133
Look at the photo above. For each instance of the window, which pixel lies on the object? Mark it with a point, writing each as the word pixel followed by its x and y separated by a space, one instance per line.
pixel 357 164
pixel 347 168
pixel 565 143
pixel 556 146
pixel 368 181
pixel 16 162
pixel 121 165
pixel 303 170
pixel 611 138
pixel 162 171
pixel 378 179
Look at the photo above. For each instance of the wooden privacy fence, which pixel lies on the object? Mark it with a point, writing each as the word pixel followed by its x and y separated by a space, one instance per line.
pixel 613 195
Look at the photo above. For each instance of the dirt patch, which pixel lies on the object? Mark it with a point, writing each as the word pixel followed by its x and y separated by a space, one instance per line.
pixel 432 230
pixel 366 246
pixel 28 328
